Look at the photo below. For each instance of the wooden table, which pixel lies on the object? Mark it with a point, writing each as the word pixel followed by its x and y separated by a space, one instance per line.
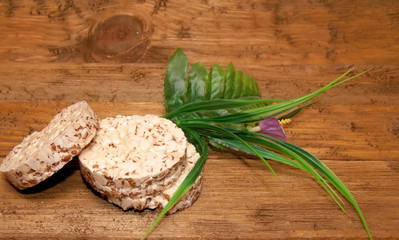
pixel 114 53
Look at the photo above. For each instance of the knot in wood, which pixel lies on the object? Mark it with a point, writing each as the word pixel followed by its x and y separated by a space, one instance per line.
pixel 121 38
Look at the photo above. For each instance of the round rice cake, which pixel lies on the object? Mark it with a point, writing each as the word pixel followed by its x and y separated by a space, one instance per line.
pixel 43 153
pixel 159 201
pixel 134 156
pixel 195 191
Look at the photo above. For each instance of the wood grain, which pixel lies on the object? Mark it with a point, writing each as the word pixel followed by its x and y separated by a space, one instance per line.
pixel 114 53
pixel 136 82
pixel 271 32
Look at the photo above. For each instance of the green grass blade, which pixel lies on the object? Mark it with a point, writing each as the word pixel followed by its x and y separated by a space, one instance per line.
pixel 270 109
pixel 239 146
pixel 296 111
pixel 235 145
pixel 203 149
pixel 217 104
pixel 258 138
pixel 229 134
pixel 326 173
pixel 331 177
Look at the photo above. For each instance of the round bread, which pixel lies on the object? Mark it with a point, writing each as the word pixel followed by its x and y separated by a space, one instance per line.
pixel 159 201
pixel 43 153
pixel 136 161
pixel 192 195
pixel 136 156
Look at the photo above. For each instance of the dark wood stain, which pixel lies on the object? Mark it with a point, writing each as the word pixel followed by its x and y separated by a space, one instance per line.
pixel 68 53
pixel 98 6
pixel 184 31
pixel 394 129
pixel 394 166
pixel 159 5
pixel 353 126
pixel 11 7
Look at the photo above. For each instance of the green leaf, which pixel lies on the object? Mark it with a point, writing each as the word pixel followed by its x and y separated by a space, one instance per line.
pixel 175 81
pixel 250 86
pixel 238 85
pixel 203 86
pixel 196 83
pixel 229 85
pixel 216 81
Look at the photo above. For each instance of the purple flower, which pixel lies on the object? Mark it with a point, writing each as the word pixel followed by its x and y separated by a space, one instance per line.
pixel 272 127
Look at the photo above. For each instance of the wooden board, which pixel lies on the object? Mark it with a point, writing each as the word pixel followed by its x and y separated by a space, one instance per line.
pixel 52 53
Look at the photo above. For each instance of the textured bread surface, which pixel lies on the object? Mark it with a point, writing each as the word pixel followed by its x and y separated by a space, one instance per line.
pixel 43 153
pixel 136 162
pixel 192 195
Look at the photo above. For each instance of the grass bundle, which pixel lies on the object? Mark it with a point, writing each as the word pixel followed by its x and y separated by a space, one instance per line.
pixel 218 107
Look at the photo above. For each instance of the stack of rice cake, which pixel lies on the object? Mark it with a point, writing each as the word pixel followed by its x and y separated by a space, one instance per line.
pixel 139 162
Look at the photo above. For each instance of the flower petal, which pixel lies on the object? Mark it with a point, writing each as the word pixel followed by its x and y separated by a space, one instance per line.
pixel 272 127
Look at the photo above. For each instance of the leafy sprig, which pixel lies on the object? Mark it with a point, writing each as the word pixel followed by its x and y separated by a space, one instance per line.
pixel 216 107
